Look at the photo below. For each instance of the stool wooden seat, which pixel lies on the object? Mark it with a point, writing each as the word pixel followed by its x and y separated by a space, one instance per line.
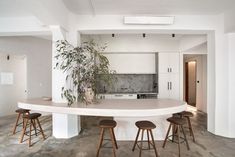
pixel 21 113
pixel 188 115
pixel 110 125
pixel 142 126
pixel 177 124
pixel 32 120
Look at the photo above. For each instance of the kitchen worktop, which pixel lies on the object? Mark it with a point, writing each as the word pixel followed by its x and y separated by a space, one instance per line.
pixel 130 93
pixel 120 108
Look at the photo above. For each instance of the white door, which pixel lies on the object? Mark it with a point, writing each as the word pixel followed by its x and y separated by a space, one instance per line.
pixel 163 62
pixel 12 82
pixel 163 86
pixel 174 86
pixel 174 62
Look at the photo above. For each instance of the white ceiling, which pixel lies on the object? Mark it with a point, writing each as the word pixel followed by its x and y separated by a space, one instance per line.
pixel 13 8
pixel 138 7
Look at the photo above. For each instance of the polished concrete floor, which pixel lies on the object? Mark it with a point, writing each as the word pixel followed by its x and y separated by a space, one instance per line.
pixel 84 145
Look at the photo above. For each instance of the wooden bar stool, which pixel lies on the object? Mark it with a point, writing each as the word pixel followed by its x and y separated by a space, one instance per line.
pixel 177 123
pixel 188 115
pixel 142 126
pixel 110 125
pixel 32 120
pixel 21 113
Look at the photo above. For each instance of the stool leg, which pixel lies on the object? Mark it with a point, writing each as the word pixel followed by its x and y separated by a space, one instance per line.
pixel 190 128
pixel 173 133
pixel 148 139
pixel 113 142
pixel 154 146
pixel 34 126
pixel 17 120
pixel 167 134
pixel 182 128
pixel 178 133
pixel 30 130
pixel 136 139
pixel 23 131
pixel 115 139
pixel 40 129
pixel 100 142
pixel 141 142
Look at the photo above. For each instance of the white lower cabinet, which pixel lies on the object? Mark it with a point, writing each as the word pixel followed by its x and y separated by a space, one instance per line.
pixel 168 86
pixel 117 96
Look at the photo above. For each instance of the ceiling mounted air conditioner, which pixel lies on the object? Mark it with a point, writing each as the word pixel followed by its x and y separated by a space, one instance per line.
pixel 149 20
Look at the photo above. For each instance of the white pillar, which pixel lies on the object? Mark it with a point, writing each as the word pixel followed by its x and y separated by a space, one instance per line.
pixel 231 40
pixel 64 125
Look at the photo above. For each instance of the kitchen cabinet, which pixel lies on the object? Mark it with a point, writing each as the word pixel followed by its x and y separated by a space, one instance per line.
pixel 136 63
pixel 168 77
pixel 168 62
pixel 125 96
pixel 168 86
pixel 117 96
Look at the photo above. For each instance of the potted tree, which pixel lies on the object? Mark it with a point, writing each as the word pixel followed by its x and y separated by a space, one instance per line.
pixel 84 66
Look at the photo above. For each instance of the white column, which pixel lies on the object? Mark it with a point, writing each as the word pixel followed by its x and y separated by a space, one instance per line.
pixel 64 125
pixel 231 40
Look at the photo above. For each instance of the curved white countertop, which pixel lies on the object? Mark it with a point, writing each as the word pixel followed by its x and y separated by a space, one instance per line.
pixel 115 108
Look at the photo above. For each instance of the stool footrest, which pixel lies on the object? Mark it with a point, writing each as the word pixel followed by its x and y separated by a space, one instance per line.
pixel 145 142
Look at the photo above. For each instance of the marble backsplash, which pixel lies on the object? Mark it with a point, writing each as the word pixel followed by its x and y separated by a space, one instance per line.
pixel 129 83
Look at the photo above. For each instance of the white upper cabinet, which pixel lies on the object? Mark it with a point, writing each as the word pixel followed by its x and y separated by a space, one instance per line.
pixel 168 62
pixel 132 63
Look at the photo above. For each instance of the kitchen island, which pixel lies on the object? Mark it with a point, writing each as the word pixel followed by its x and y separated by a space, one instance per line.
pixel 125 112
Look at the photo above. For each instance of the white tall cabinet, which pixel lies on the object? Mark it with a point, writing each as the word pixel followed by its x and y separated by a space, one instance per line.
pixel 168 73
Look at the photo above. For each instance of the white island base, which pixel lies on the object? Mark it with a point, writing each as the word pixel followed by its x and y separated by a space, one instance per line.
pixel 126 129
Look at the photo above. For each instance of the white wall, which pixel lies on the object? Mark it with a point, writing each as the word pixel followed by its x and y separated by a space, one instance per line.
pixel 189 42
pixel 136 42
pixel 231 81
pixel 11 93
pixel 38 52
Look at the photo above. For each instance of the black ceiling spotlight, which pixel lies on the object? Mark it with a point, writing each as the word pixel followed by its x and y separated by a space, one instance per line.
pixel 8 57
pixel 144 35
pixel 173 35
pixel 113 35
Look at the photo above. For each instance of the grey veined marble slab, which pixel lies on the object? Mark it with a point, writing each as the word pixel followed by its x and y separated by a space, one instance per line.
pixel 130 83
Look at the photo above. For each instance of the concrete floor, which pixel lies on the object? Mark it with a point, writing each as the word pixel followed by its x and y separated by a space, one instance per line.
pixel 84 145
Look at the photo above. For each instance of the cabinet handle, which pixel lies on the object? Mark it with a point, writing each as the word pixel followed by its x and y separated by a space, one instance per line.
pixel 170 85
pixel 168 70
pixel 167 85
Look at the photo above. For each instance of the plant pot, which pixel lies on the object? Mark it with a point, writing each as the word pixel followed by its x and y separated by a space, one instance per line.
pixel 89 95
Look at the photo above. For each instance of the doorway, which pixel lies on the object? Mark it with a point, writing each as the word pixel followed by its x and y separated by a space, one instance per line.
pixel 195 81
pixel 13 82
pixel 190 82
